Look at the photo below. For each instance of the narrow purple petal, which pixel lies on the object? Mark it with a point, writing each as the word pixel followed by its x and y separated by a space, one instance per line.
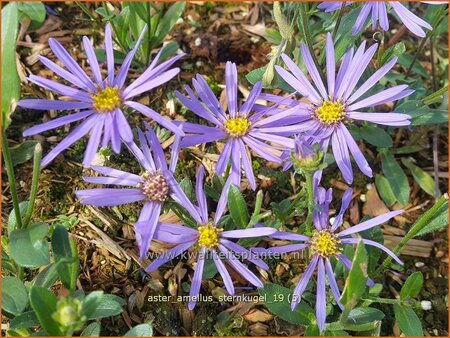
pixel 74 136
pixel 321 306
pixel 107 197
pixel 248 233
pixel 361 19
pixel 287 248
pixel 231 87
pixel 63 73
pixel 196 280
pixel 39 104
pixel 331 63
pixel 342 156
pixel 333 284
pixel 251 99
pixel 117 173
pixel 168 256
pixel 388 119
pixel 244 253
pixel 155 116
pixel 370 223
pixel 200 193
pixel 224 273
pixel 94 142
pixel 93 63
pixel 372 243
pixel 60 121
pixel 110 180
pixel 313 72
pixel 61 89
pixel 109 54
pixel 354 149
pixel 151 84
pixel 145 229
pixel 288 236
pixel 379 98
pixel 224 157
pixel 303 282
pixel 247 164
pixel 346 199
pixel 197 108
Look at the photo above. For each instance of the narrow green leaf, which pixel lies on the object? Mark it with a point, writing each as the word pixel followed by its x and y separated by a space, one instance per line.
pixel 424 180
pixel 169 19
pixel 412 286
pixel 12 223
pixel 355 285
pixel 438 221
pixel 10 78
pixel 62 250
pixel 396 177
pixel 407 320
pixel 238 207
pixel 363 319
pixel 22 152
pixel 47 277
pixel 43 303
pixel 385 190
pixel 376 136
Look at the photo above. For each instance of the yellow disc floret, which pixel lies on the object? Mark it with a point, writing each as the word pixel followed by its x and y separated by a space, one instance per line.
pixel 237 127
pixel 330 112
pixel 324 243
pixel 208 236
pixel 106 100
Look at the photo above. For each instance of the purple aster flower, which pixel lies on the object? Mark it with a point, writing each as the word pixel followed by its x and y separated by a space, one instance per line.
pixel 331 6
pixel 242 128
pixel 100 100
pixel 326 242
pixel 331 107
pixel 213 242
pixel 379 12
pixel 153 187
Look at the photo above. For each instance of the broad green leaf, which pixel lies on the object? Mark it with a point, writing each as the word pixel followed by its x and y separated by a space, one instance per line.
pixel 43 303
pixel 385 190
pixel 412 286
pixel 10 78
pixel 92 330
pixel 12 223
pixel 438 221
pixel 90 303
pixel 210 269
pixel 168 50
pixel 24 321
pixel 142 330
pixel 363 319
pixel 373 254
pixel 421 177
pixel 169 20
pixel 407 320
pixel 23 152
pixel 106 306
pixel 278 301
pixel 27 246
pixel 376 136
pixel 421 114
pixel 14 295
pixel 7 263
pixel 186 186
pixel 34 10
pixel 355 285
pixel 396 177
pixel 66 257
pixel 238 207
pixel 406 59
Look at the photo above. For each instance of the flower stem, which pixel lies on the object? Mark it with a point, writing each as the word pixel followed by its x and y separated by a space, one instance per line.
pixel 420 223
pixel 310 192
pixel 338 21
pixel 34 183
pixel 309 43
pixel 11 179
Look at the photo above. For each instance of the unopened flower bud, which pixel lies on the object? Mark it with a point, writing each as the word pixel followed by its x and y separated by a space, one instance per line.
pixel 68 313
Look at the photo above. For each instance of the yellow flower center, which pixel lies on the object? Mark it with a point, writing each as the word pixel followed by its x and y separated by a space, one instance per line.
pixel 237 127
pixel 324 243
pixel 330 112
pixel 208 236
pixel 106 100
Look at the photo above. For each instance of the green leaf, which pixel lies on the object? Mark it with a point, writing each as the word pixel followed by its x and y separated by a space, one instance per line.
pixel 169 20
pixel 385 190
pixel 278 301
pixel 22 152
pixel 355 285
pixel 12 223
pixel 376 136
pixel 168 50
pixel 34 10
pixel 142 330
pixel 14 295
pixel 188 189
pixel 421 177
pixel 395 50
pixel 100 305
pixel 436 97
pixel 412 286
pixel 438 221
pixel 396 177
pixel 421 114
pixel 66 257
pixel 27 246
pixel 47 277
pixel 407 320
pixel 238 207
pixel 10 78
pixel 24 321
pixel 43 303
pixel 406 59
pixel 210 269
pixel 92 330
pixel 363 319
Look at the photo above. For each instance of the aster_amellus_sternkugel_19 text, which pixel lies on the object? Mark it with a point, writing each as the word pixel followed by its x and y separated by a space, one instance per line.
pixel 101 100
